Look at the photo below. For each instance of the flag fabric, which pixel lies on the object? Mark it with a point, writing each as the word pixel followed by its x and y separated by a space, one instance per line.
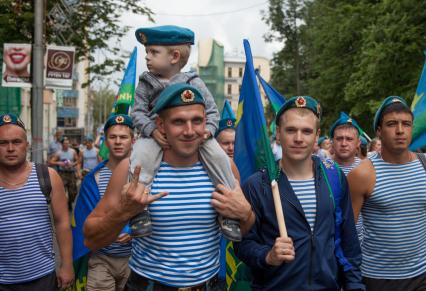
pixel 275 99
pixel 125 97
pixel 419 110
pixel 252 152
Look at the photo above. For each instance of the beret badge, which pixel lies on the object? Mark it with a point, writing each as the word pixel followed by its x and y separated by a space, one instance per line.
pixel 187 96
pixel 7 119
pixel 119 119
pixel 300 102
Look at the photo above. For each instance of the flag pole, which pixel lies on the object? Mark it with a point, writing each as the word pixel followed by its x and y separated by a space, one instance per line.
pixel 279 209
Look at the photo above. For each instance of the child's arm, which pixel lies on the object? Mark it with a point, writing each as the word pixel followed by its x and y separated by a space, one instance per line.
pixel 142 118
pixel 212 113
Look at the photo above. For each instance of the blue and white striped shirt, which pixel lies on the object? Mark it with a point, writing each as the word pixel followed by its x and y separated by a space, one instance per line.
pixel 115 249
pixel 183 249
pixel 26 247
pixel 394 245
pixel 305 192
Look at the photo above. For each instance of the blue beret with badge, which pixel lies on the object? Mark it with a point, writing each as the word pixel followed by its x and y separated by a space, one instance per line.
pixel 364 141
pixel 6 119
pixel 387 102
pixel 164 35
pixel 227 119
pixel 345 119
pixel 179 94
pixel 118 119
pixel 322 139
pixel 300 102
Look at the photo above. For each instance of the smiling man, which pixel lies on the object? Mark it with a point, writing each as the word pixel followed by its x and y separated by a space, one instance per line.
pixel 307 259
pixel 183 250
pixel 390 192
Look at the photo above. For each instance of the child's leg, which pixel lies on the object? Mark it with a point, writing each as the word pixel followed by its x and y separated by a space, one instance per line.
pixel 217 163
pixel 218 168
pixel 146 153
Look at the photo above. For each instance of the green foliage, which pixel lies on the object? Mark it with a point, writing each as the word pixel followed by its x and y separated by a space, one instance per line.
pixel 353 54
pixel 93 28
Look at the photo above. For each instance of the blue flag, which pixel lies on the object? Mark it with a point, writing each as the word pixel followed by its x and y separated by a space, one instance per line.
pixel 252 152
pixel 419 110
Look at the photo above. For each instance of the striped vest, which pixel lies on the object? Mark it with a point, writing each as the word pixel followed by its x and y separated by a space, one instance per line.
pixel 394 245
pixel 183 249
pixel 305 192
pixel 26 248
pixel 115 249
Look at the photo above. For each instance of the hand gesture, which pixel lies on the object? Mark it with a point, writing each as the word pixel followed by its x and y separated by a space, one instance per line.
pixel 281 252
pixel 135 196
pixel 160 139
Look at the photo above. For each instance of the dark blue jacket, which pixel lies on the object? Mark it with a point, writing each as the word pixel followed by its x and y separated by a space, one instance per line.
pixel 315 266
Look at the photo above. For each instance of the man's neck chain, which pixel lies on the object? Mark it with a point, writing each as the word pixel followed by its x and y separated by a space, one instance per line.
pixel 19 182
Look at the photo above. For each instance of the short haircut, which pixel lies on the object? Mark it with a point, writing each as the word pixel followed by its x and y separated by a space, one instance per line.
pixel 132 134
pixel 184 50
pixel 301 112
pixel 397 107
pixel 347 126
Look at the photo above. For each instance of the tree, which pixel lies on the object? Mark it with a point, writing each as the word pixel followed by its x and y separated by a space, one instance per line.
pixel 90 25
pixel 284 17
pixel 103 100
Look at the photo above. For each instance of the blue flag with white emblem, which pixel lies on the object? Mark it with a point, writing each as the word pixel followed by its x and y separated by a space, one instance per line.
pixel 419 110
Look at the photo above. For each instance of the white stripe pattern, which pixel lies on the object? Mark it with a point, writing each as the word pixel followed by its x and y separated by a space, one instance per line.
pixel 394 245
pixel 305 192
pixel 115 249
pixel 26 248
pixel 183 249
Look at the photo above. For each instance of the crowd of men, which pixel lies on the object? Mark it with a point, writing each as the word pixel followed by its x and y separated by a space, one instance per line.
pixel 354 221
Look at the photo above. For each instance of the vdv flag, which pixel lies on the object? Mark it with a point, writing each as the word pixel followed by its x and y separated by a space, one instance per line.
pixel 252 152
pixel 419 110
pixel 126 95
pixel 275 99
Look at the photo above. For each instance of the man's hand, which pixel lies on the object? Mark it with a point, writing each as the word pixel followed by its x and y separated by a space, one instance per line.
pixel 231 203
pixel 160 139
pixel 123 238
pixel 281 252
pixel 135 196
pixel 65 277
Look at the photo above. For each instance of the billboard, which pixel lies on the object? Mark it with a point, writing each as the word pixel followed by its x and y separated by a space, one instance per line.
pixel 59 67
pixel 16 65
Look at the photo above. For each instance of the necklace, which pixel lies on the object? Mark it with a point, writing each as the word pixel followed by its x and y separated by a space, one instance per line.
pixel 16 183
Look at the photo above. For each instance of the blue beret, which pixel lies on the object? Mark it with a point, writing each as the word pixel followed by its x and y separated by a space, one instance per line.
pixel 11 119
pixel 118 119
pixel 300 102
pixel 321 139
pixel 179 94
pixel 227 119
pixel 164 35
pixel 345 119
pixel 388 101
pixel 364 141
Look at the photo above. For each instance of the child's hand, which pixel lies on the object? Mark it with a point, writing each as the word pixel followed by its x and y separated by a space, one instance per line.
pixel 207 134
pixel 160 139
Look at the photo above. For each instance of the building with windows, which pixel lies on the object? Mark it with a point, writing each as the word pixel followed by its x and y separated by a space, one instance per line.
pixel 223 73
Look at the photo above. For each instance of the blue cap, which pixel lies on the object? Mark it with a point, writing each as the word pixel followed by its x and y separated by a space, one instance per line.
pixel 344 119
pixel 11 119
pixel 321 139
pixel 388 101
pixel 227 119
pixel 364 141
pixel 300 102
pixel 179 94
pixel 164 35
pixel 118 119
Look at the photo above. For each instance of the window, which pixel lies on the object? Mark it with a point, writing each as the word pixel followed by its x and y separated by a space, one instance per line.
pixel 229 72
pixel 240 72
pixel 229 89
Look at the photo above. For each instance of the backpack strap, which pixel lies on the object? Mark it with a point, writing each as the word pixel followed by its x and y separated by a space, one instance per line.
pixel 44 180
pixel 422 159
pixel 332 175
